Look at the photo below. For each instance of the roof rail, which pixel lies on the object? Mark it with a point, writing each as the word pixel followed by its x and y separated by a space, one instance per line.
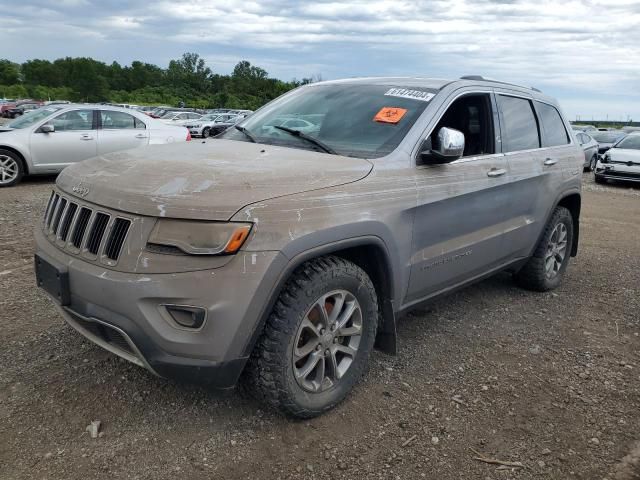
pixel 480 77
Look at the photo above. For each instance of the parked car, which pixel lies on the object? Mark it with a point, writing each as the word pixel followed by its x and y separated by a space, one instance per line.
pixel 223 122
pixel 285 258
pixel 175 116
pixel 21 109
pixel 606 139
pixel 201 127
pixel 590 148
pixel 621 162
pixel 584 128
pixel 50 138
pixel 275 127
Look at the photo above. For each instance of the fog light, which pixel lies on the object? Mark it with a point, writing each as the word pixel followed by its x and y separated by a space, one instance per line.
pixel 187 316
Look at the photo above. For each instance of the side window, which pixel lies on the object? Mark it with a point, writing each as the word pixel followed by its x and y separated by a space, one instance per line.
pixel 519 125
pixel 73 120
pixel 471 115
pixel 582 138
pixel 555 132
pixel 112 120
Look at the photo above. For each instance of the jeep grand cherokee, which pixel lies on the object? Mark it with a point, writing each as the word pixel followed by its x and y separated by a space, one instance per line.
pixel 280 257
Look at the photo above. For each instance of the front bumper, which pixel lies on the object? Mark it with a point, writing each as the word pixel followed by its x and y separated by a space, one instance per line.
pixel 124 312
pixel 618 171
pixel 196 131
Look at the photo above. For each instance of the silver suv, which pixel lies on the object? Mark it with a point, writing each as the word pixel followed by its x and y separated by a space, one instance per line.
pixel 281 257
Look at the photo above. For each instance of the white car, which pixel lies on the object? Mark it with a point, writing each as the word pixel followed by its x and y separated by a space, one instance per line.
pixel 177 116
pixel 621 162
pixel 207 124
pixel 46 140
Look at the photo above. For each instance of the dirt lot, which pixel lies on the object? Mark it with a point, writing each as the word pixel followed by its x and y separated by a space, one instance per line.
pixel 549 380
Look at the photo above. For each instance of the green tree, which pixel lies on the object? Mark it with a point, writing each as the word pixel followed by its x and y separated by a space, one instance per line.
pixel 9 72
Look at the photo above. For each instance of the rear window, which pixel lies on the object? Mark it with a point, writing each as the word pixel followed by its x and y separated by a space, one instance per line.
pixel 519 125
pixel 555 132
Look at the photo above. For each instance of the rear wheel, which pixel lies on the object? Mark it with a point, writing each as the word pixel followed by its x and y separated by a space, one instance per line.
pixel 11 168
pixel 317 341
pixel 545 269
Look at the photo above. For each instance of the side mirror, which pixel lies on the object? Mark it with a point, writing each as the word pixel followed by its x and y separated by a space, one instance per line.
pixel 47 128
pixel 449 146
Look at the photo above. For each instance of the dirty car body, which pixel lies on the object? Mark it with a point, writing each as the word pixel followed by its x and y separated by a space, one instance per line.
pixel 150 270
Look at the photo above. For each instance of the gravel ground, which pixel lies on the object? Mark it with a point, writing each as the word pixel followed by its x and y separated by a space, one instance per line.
pixel 548 380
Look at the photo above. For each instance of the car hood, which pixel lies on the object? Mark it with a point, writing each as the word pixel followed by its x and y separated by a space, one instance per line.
pixel 624 155
pixel 205 180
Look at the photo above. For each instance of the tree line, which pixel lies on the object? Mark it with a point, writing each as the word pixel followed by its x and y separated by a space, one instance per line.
pixel 187 79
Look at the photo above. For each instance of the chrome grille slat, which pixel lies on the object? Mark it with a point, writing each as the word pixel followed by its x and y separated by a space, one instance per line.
pixel 97 232
pixel 62 204
pixel 116 238
pixel 80 227
pixel 69 215
pixel 48 209
pixel 54 205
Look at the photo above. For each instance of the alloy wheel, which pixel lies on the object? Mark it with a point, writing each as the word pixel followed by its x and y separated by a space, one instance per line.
pixel 327 341
pixel 556 250
pixel 8 169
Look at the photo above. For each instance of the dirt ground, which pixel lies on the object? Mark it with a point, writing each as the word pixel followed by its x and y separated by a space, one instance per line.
pixel 548 380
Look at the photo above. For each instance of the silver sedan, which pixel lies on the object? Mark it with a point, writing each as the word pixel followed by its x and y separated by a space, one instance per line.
pixel 590 148
pixel 46 140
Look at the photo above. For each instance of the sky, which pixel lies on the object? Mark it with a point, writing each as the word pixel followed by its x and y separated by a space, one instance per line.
pixel 586 54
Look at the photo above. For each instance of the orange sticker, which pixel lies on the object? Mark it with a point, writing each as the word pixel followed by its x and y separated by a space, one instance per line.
pixel 390 115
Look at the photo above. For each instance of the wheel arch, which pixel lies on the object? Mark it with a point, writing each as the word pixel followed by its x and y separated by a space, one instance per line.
pixel 368 252
pixel 573 203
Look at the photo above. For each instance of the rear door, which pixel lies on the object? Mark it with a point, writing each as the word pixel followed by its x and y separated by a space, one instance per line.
pixel 535 168
pixel 74 140
pixel 120 131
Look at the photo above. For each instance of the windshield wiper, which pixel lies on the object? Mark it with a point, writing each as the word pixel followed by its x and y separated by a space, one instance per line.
pixel 308 138
pixel 246 132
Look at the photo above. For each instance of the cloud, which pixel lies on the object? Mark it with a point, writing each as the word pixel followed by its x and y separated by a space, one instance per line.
pixel 581 51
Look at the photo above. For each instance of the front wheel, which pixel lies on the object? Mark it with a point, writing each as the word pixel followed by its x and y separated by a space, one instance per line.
pixel 600 179
pixel 317 341
pixel 11 168
pixel 545 269
pixel 205 132
pixel 592 163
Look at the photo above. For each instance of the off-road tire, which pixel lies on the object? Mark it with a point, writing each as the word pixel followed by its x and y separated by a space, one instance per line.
pixel 269 374
pixel 20 165
pixel 533 275
pixel 600 179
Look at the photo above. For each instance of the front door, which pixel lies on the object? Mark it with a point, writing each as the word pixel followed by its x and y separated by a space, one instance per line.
pixel 459 220
pixel 74 140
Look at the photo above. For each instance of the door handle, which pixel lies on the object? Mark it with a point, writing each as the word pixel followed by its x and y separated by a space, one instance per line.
pixel 496 172
pixel 86 137
pixel 550 161
pixel 141 135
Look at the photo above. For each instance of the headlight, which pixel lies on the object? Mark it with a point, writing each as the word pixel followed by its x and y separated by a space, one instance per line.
pixel 199 237
pixel 605 158
pixel 197 125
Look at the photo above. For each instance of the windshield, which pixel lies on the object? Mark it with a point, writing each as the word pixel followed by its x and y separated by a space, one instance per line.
pixel 606 137
pixel 169 115
pixel 33 117
pixel 632 142
pixel 366 121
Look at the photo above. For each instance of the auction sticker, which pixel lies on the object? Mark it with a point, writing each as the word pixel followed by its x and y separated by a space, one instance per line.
pixel 390 115
pixel 412 94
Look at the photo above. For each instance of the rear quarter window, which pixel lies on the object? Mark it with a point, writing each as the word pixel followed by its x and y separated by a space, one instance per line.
pixel 555 133
pixel 519 124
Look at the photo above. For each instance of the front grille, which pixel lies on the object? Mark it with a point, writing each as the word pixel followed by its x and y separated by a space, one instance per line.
pixel 85 231
pixel 621 175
